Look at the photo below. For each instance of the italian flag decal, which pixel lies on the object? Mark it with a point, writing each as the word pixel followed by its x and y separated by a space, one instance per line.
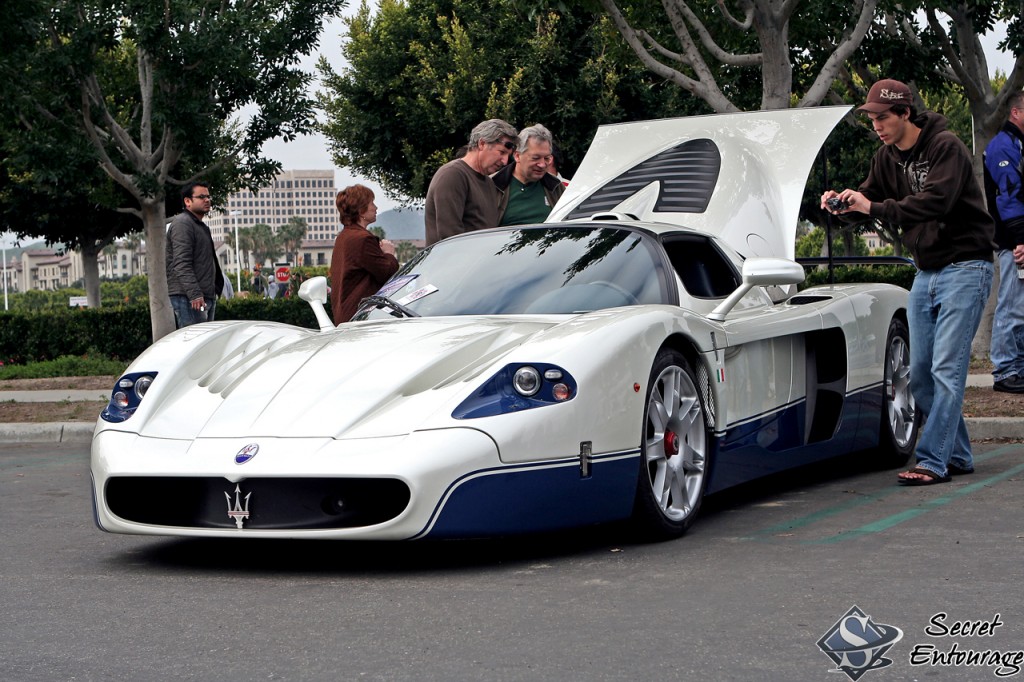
pixel 720 373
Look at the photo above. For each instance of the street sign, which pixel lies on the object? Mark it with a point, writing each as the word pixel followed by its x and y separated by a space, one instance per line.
pixel 282 272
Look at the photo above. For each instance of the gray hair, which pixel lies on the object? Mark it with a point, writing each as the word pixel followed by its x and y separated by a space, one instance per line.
pixel 537 132
pixel 490 131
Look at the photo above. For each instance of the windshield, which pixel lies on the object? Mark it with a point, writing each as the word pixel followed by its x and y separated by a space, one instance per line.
pixel 534 270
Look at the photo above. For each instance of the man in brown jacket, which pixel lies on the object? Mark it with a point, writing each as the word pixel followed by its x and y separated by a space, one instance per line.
pixel 461 196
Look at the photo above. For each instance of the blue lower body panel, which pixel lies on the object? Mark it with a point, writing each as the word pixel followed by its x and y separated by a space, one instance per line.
pixel 536 498
pixel 776 441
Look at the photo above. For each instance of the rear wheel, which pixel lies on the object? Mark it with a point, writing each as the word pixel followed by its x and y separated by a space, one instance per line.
pixel 898 431
pixel 674 450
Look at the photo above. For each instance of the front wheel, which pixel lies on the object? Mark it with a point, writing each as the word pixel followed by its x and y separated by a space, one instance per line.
pixel 673 452
pixel 900 418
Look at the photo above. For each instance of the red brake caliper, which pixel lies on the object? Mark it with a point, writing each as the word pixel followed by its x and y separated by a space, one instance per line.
pixel 671 444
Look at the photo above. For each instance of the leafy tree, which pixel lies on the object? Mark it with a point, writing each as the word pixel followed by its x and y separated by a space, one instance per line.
pixel 290 236
pixel 265 246
pixel 156 91
pixel 704 46
pixel 422 73
pixel 812 245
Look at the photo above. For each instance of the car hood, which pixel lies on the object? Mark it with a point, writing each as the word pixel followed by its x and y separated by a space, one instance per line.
pixel 738 176
pixel 367 379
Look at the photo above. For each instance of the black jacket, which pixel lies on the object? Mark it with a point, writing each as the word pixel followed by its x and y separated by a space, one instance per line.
pixel 932 197
pixel 192 267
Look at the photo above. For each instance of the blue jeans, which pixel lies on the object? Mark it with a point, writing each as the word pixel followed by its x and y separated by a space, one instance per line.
pixel 184 315
pixel 1007 350
pixel 944 311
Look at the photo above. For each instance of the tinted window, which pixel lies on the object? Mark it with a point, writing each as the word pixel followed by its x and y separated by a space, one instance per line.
pixel 540 270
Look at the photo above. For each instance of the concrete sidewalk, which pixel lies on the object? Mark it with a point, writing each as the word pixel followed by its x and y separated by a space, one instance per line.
pixel 981 428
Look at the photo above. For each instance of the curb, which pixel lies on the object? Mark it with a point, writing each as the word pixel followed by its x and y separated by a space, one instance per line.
pixel 47 432
pixel 985 428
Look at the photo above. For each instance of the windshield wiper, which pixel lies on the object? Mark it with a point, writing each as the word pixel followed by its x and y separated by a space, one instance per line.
pixel 384 301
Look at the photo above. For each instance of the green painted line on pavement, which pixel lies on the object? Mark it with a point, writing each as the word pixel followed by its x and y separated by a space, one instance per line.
pixel 896 519
pixel 809 519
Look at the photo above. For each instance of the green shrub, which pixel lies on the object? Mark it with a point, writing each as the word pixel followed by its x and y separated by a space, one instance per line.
pixel 900 275
pixel 64 366
pixel 120 333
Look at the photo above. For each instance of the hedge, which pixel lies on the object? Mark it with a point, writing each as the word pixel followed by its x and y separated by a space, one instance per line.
pixel 121 333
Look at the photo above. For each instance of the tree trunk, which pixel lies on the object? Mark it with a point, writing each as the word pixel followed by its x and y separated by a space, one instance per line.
pixel 91 274
pixel 160 312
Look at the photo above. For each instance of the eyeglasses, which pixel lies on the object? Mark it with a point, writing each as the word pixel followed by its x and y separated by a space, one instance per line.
pixel 200 196
pixel 508 144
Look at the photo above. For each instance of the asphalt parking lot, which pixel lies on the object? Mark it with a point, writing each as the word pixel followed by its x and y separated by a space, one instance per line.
pixel 932 577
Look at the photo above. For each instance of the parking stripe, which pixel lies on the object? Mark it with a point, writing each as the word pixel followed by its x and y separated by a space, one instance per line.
pixel 896 519
pixel 869 498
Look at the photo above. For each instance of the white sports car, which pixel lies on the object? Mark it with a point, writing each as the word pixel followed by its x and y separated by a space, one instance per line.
pixel 641 349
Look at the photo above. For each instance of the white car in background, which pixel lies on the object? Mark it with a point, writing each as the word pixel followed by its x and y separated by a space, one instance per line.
pixel 643 348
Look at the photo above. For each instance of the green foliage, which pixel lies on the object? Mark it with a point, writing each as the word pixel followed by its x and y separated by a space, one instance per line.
pixel 120 333
pixel 154 94
pixel 423 73
pixel 64 366
pixel 811 245
pixel 900 275
pixel 117 333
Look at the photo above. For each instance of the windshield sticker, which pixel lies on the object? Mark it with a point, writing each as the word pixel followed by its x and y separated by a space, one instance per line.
pixel 395 284
pixel 418 294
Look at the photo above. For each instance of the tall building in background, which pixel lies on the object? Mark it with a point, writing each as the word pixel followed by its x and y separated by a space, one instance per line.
pixel 307 194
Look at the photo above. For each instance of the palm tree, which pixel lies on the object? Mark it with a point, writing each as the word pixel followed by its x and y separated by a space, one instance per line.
pixel 134 241
pixel 405 251
pixel 290 236
pixel 109 255
pixel 245 245
pixel 264 242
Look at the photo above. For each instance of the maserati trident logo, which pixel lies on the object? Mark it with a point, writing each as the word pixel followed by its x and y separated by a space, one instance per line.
pixel 246 453
pixel 238 512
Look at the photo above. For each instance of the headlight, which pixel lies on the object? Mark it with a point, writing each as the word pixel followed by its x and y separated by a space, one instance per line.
pixel 526 381
pixel 127 394
pixel 518 387
pixel 142 385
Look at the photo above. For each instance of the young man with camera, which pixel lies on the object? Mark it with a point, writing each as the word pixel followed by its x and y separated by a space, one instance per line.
pixel 922 181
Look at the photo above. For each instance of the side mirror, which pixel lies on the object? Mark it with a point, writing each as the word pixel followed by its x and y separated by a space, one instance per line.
pixel 760 272
pixel 314 292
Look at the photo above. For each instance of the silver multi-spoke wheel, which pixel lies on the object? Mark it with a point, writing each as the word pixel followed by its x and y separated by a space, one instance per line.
pixel 900 420
pixel 674 449
pixel 899 400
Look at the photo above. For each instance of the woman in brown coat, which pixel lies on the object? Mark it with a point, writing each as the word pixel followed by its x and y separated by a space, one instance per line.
pixel 361 263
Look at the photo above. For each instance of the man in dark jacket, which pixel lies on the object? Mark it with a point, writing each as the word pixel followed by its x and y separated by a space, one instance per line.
pixel 461 196
pixel 194 277
pixel 922 181
pixel 527 191
pixel 1004 185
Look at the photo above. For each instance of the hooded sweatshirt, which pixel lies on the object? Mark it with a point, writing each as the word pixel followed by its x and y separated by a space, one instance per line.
pixel 929 193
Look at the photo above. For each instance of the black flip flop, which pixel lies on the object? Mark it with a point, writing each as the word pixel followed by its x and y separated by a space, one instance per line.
pixel 932 477
pixel 958 471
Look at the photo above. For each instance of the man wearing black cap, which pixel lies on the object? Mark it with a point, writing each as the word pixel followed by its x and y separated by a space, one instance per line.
pixel 922 181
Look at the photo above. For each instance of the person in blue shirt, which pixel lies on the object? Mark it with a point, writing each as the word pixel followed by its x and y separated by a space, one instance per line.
pixel 1004 170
